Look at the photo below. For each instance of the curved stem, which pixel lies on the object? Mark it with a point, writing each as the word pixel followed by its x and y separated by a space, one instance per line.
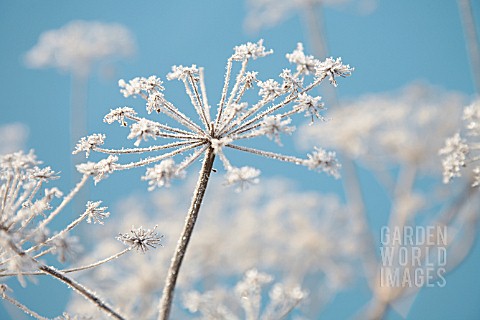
pixel 176 262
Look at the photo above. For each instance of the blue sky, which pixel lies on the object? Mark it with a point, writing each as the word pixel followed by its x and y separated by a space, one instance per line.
pixel 400 42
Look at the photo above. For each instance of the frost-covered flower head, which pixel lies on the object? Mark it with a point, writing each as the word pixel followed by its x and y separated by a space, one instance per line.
pixel 390 129
pixel 235 121
pixel 26 210
pixel 462 150
pixel 78 45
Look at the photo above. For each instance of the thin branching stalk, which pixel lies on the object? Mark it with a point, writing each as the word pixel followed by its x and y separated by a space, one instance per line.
pixel 22 307
pixel 181 249
pixel 65 201
pixel 70 270
pixel 82 290
pixel 87 293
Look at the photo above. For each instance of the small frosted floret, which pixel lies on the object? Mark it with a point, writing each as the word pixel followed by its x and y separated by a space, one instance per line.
pixel 249 79
pixel 87 168
pixel 161 174
pixel 290 82
pixel 333 68
pixel 104 168
pixel 242 177
pixel 305 64
pixel 141 239
pixel 250 50
pixel 89 143
pixel 311 106
pixel 142 130
pixel 95 213
pixel 154 102
pixel 140 84
pixel 46 173
pixel 182 73
pixel 322 160
pixel 273 126
pixel 455 151
pixel 119 115
pixel 269 89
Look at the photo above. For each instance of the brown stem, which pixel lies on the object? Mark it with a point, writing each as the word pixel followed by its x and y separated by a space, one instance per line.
pixel 176 262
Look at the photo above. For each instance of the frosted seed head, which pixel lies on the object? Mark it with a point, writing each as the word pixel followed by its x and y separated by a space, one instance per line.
pixel 250 50
pixel 141 239
pixel 119 115
pixel 89 143
pixel 326 161
pixel 96 213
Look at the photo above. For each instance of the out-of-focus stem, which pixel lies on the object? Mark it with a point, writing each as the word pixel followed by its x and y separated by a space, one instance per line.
pixel 181 249
pixel 313 20
pixel 471 36
pixel 78 109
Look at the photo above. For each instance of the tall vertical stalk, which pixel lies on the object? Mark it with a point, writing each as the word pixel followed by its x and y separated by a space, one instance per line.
pixel 176 262
pixel 471 37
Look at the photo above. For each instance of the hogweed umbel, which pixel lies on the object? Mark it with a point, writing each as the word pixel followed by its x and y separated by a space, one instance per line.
pixel 235 121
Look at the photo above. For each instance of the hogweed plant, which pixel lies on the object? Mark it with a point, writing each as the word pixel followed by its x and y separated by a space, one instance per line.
pixel 235 121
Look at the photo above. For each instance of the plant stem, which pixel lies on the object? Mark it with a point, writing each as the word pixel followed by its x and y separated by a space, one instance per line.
pixel 471 37
pixel 87 293
pixel 176 262
pixel 22 307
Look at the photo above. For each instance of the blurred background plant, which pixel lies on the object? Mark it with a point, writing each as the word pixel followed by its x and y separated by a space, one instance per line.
pixel 77 48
